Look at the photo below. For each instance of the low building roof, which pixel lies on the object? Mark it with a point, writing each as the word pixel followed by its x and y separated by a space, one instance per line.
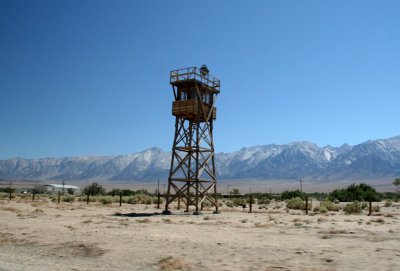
pixel 65 186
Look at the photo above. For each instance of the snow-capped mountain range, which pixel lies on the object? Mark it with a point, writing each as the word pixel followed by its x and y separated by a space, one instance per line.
pixel 368 160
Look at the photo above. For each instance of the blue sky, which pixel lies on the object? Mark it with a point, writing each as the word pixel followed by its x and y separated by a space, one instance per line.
pixel 92 77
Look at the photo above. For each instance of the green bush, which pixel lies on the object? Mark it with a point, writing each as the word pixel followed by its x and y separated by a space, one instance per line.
pixel 239 201
pixel 106 199
pixel 330 206
pixel 323 209
pixel 94 189
pixel 4 195
pixel 359 192
pixel 263 200
pixel 229 204
pixel 293 194
pixel 253 200
pixel 388 203
pixel 364 205
pixel 68 198
pixel 297 204
pixel 155 199
pixel 140 199
pixel 376 208
pixel 353 208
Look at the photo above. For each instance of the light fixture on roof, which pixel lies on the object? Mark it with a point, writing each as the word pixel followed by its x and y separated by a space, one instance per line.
pixel 204 70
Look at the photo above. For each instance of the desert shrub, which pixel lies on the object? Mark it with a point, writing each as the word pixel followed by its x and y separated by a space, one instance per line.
pixel 376 208
pixel 323 209
pixel 388 203
pixel 84 198
pixel 330 206
pixel 253 200
pixel 68 198
pixel 364 205
pixel 131 200
pixel 353 208
pixel 239 201
pixel 155 199
pixel 297 204
pixel 263 200
pixel 25 196
pixel 106 199
pixel 229 204
pixel 140 199
pixel 3 195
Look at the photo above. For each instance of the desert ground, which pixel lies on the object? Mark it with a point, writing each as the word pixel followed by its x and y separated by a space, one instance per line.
pixel 44 235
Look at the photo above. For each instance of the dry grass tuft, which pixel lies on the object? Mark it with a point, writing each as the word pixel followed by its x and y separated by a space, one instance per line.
pixel 5 238
pixel 10 208
pixel 262 225
pixel 79 249
pixel 173 263
pixel 379 220
pixel 144 220
pixel 333 231
pixel 38 211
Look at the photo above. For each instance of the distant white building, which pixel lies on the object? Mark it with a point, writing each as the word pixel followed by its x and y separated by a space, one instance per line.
pixel 55 188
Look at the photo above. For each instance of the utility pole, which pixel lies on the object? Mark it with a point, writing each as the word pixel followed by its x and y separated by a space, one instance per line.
pixel 10 191
pixel 301 185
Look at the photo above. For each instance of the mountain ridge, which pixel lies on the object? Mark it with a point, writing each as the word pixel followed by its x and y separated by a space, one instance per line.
pixel 300 159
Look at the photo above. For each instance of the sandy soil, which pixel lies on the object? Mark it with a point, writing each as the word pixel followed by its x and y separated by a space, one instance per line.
pixel 75 236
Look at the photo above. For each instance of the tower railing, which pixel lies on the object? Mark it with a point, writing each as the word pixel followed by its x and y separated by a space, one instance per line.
pixel 193 73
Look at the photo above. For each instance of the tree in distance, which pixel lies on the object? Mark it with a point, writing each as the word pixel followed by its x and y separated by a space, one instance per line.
pixel 396 183
pixel 93 189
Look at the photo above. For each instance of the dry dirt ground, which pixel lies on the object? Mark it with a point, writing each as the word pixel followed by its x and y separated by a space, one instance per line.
pixel 75 236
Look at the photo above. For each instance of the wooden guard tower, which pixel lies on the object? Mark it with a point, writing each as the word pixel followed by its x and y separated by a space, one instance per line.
pixel 192 176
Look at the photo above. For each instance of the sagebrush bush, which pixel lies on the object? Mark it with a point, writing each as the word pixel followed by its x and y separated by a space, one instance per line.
pixel 4 195
pixel 239 201
pixel 353 208
pixel 229 204
pixel 264 201
pixel 106 199
pixel 388 203
pixel 68 198
pixel 364 205
pixel 330 206
pixel 155 200
pixel 297 204
pixel 323 209
pixel 140 199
